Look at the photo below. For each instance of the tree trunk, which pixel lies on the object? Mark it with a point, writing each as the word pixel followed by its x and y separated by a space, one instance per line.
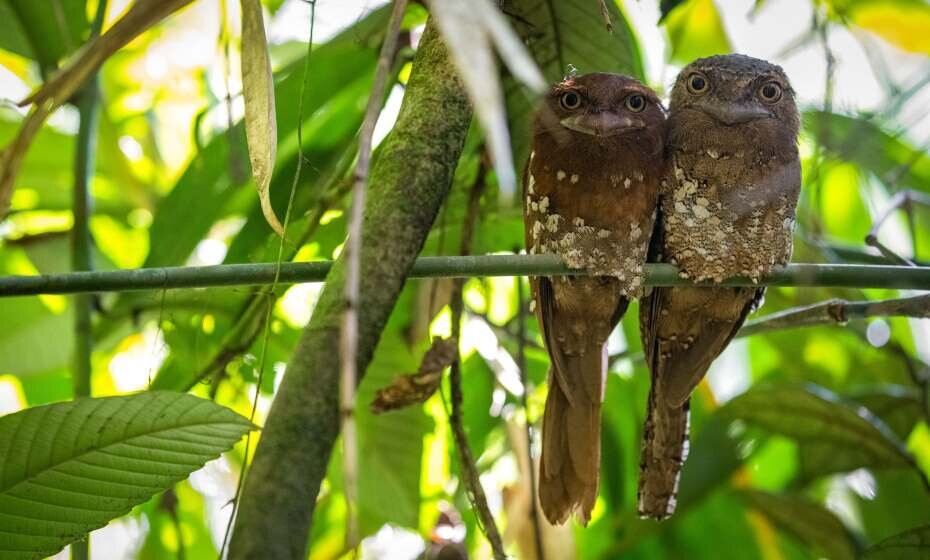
pixel 408 183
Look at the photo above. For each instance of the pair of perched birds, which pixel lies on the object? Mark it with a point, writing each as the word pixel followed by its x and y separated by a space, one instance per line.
pixel 613 180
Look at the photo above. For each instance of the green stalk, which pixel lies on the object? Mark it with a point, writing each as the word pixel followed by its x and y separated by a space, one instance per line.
pixel 84 163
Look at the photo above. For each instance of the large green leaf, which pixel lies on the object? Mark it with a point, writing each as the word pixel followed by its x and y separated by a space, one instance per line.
pixel 834 436
pixel 902 23
pixel 69 468
pixel 560 35
pixel 909 545
pixel 46 31
pixel 807 521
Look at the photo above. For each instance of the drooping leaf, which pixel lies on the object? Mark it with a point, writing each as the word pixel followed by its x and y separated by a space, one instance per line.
pixel 261 128
pixel 474 31
pixel 807 521
pixel 833 436
pixel 913 544
pixel 69 468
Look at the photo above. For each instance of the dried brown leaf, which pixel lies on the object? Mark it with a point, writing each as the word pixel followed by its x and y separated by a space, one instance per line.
pixel 261 129
pixel 415 388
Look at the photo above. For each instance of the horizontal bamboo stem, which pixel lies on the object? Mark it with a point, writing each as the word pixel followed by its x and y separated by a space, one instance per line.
pixel 800 275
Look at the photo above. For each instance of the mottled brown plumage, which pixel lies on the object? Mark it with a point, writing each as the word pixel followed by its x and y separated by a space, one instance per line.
pixel 727 208
pixel 590 190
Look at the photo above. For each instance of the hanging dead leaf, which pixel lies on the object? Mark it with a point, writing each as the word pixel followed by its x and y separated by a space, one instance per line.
pixel 415 388
pixel 261 129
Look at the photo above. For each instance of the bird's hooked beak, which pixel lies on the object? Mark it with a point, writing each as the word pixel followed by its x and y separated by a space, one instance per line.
pixel 735 113
pixel 602 124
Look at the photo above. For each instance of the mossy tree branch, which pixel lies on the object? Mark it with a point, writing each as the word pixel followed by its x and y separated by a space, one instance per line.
pixel 409 181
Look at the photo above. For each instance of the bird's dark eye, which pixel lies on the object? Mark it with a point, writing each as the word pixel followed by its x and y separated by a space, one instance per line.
pixel 770 92
pixel 697 83
pixel 570 100
pixel 635 103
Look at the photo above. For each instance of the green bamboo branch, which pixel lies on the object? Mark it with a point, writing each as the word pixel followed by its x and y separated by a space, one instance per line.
pixel 797 275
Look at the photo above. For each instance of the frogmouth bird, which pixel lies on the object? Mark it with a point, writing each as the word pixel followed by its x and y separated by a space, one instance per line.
pixel 727 208
pixel 590 191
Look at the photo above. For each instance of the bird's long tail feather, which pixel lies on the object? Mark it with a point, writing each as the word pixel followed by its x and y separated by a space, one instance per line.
pixel 571 449
pixel 664 450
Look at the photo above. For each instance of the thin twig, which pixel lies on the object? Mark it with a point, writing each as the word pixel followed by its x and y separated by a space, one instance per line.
pixel 353 247
pixel 839 311
pixel 456 304
pixel 834 311
pixel 524 380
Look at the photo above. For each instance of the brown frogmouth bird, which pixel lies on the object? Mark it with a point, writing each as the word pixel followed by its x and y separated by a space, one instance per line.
pixel 590 191
pixel 727 208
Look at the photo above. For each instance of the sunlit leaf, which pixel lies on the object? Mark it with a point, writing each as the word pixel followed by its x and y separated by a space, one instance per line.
pixel 261 128
pixel 69 468
pixel 695 30
pixel 902 23
pixel 809 522
pixel 142 15
pixel 909 545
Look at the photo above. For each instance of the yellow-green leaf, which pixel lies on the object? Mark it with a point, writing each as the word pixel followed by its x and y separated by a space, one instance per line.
pixel 696 30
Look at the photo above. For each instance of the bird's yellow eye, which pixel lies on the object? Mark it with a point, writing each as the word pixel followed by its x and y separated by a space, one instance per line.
pixel 570 100
pixel 770 92
pixel 635 103
pixel 697 83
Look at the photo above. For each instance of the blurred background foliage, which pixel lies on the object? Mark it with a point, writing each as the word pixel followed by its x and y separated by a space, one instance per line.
pixel 807 443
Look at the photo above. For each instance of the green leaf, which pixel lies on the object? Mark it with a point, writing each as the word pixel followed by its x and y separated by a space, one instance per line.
pixel 807 521
pixel 69 468
pixel 391 444
pixel 909 545
pixel 696 30
pixel 46 31
pixel 563 34
pixel 834 436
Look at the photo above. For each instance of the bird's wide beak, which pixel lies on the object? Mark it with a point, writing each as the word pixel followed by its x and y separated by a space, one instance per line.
pixel 602 124
pixel 736 113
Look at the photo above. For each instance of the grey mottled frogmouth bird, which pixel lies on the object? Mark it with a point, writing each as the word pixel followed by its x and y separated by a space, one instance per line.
pixel 590 190
pixel 727 208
